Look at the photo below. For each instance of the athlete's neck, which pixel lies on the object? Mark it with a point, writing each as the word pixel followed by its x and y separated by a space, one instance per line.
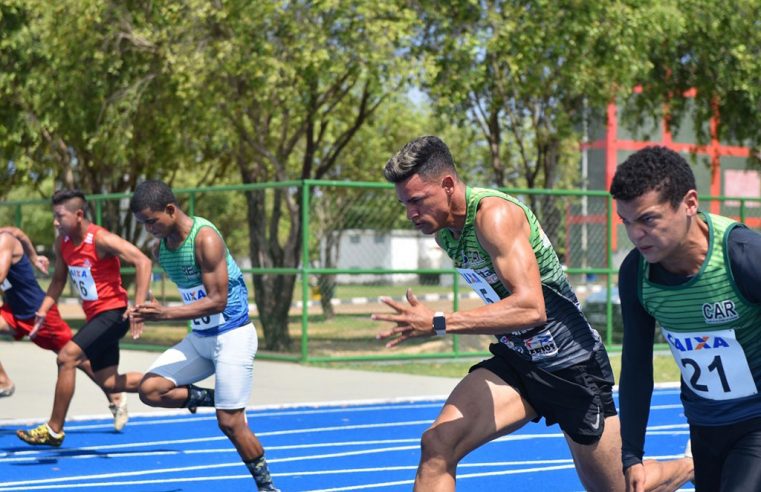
pixel 78 235
pixel 183 226
pixel 687 259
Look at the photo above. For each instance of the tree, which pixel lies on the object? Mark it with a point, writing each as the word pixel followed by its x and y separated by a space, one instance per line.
pixel 713 52
pixel 286 87
pixel 90 100
pixel 524 73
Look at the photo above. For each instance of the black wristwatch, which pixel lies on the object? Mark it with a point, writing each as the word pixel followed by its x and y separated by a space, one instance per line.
pixel 439 324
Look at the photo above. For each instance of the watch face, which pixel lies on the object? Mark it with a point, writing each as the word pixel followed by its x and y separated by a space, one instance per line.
pixel 439 324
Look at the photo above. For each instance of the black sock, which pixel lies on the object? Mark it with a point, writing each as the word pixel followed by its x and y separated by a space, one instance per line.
pixel 199 397
pixel 261 473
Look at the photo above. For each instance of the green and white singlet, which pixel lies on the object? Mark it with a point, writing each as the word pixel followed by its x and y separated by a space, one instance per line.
pixel 566 338
pixel 181 266
pixel 713 333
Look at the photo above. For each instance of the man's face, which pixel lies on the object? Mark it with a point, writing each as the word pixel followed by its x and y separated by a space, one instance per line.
pixel 654 226
pixel 159 223
pixel 65 220
pixel 426 201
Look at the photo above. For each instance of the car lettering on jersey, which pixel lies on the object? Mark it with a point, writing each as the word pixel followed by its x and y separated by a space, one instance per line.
pixel 688 344
pixel 719 312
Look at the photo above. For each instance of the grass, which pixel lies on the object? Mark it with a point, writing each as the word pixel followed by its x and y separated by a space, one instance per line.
pixel 355 335
pixel 664 367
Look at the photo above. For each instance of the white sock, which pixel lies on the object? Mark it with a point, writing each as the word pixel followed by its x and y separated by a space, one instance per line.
pixel 52 432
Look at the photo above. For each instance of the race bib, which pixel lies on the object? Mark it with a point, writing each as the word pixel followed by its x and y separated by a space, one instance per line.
pixel 6 285
pixel 479 285
pixel 194 294
pixel 713 363
pixel 82 282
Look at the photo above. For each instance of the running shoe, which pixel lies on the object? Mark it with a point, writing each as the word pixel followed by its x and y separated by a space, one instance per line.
pixel 40 436
pixel 120 413
pixel 7 391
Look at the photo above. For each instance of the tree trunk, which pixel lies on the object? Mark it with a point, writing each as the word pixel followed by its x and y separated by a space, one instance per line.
pixel 273 293
pixel 327 283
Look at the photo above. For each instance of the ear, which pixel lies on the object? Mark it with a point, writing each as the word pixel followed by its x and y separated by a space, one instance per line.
pixel 690 201
pixel 170 210
pixel 448 183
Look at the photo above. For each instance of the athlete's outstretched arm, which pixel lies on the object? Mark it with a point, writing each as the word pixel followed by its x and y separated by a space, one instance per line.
pixel 211 255
pixel 503 231
pixel 114 245
pixel 636 383
pixel 41 263
pixel 57 284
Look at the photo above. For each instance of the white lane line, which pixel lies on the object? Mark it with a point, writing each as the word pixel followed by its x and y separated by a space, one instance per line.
pixel 223 438
pixel 459 477
pixel 180 419
pixel 566 464
pixel 203 467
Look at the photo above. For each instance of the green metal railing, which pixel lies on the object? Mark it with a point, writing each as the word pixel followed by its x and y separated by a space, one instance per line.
pixel 737 206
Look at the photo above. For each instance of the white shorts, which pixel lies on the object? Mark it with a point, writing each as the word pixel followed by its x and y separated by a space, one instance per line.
pixel 229 355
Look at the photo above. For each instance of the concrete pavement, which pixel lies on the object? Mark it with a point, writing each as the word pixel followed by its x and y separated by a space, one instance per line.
pixel 33 370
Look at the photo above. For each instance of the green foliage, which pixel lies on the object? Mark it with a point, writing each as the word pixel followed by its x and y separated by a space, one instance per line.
pixel 712 47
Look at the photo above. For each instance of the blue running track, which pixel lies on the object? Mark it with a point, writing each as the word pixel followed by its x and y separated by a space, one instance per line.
pixel 317 448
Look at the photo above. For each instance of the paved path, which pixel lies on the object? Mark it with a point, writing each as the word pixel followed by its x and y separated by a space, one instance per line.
pixel 275 383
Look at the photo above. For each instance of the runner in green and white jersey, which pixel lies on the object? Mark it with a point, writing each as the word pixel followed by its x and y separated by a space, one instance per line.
pixel 222 341
pixel 697 275
pixel 548 362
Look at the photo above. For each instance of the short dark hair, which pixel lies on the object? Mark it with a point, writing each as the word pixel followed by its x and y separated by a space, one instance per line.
pixel 653 168
pixel 426 156
pixel 74 199
pixel 151 194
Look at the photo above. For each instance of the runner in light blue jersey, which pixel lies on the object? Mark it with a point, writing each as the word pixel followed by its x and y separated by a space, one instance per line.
pixel 223 341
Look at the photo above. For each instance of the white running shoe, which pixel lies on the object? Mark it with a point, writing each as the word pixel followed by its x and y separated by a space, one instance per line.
pixel 120 413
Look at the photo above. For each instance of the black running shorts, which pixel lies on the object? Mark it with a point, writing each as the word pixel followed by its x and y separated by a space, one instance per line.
pixel 99 338
pixel 727 457
pixel 578 398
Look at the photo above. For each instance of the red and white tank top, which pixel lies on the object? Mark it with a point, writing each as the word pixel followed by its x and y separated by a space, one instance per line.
pixel 98 281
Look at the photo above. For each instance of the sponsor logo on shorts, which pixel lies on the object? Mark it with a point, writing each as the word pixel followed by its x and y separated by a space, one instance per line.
pixel 719 312
pixel 703 342
pixel 596 424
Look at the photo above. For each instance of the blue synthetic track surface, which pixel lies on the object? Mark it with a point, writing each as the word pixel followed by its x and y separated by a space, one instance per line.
pixel 372 446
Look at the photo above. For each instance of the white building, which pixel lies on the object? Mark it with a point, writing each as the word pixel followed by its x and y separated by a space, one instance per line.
pixel 388 250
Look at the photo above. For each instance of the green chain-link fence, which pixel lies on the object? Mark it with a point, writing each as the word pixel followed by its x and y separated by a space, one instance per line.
pixel 356 246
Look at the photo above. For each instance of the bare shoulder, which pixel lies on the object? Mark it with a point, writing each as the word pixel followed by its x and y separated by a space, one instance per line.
pixel 497 214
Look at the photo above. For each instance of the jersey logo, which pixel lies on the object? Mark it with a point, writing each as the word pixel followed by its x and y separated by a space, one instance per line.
pixel 88 238
pixel 719 312
pixel 687 344
pixel 193 295
pixel 471 257
pixel 541 346
pixel 189 271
